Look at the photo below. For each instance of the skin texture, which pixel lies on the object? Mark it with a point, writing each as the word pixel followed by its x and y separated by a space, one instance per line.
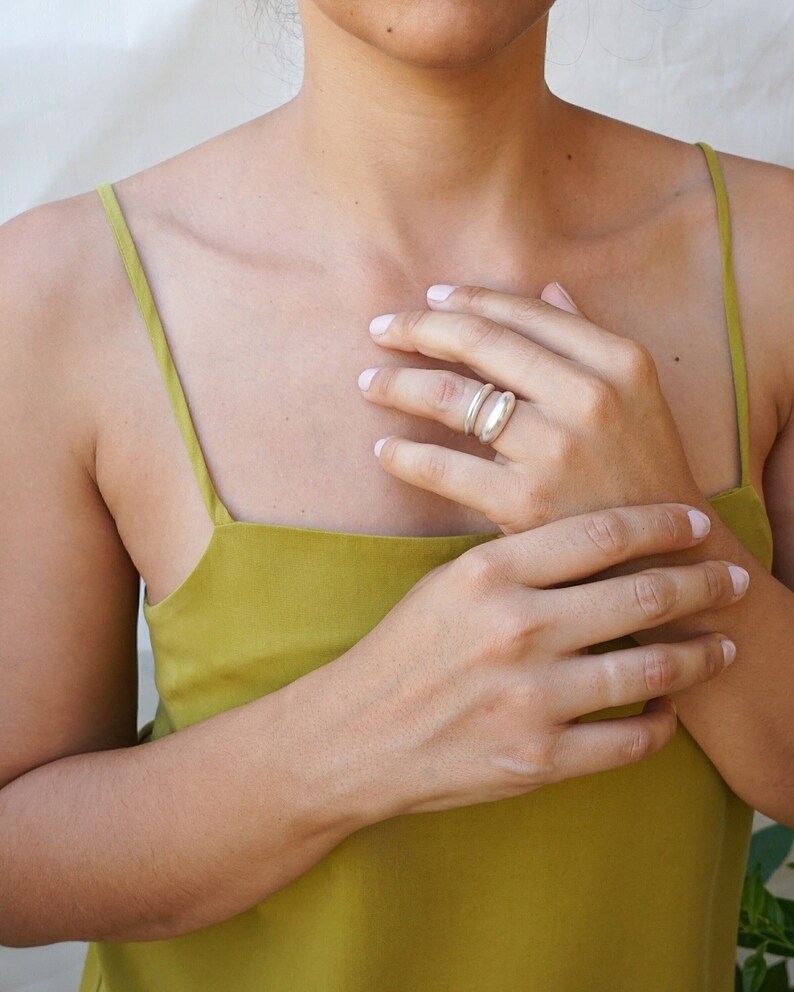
pixel 269 249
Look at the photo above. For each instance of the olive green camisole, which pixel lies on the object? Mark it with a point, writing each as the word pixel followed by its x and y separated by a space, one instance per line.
pixel 624 881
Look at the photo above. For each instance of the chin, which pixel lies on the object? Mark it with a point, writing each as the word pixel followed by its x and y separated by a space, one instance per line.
pixel 436 34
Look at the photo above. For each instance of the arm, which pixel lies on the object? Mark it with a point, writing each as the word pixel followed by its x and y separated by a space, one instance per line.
pixel 745 721
pixel 100 838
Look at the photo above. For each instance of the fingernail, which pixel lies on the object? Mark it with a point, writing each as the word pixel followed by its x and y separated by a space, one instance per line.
pixel 728 651
pixel 379 324
pixel 565 293
pixel 672 703
pixel 440 292
pixel 740 579
pixel 700 522
pixel 366 378
pixel 379 444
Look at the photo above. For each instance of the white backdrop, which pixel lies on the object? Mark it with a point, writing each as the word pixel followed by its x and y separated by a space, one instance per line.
pixel 91 91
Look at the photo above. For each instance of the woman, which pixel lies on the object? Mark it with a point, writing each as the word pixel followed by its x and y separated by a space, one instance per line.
pixel 342 640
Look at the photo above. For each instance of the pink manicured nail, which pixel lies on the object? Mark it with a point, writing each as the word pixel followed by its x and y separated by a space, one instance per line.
pixel 440 292
pixel 566 294
pixel 366 378
pixel 728 651
pixel 379 444
pixel 740 578
pixel 701 524
pixel 379 324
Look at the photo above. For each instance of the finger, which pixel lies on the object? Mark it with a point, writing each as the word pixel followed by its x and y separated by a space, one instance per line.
pixel 598 745
pixel 574 548
pixel 445 396
pixel 600 611
pixel 495 352
pixel 591 682
pixel 569 335
pixel 466 479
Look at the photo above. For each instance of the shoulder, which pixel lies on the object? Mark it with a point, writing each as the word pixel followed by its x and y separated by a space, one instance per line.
pixel 761 199
pixel 672 175
pixel 55 287
pixel 53 262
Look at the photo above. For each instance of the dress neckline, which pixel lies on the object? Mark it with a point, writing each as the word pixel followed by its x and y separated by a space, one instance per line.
pixel 431 542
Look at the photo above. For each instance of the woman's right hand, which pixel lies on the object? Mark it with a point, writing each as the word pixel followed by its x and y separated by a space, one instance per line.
pixel 470 688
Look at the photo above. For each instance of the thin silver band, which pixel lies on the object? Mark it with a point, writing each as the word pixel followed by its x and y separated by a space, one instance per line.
pixel 474 407
pixel 498 417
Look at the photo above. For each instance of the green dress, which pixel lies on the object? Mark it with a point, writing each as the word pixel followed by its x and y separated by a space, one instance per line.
pixel 628 880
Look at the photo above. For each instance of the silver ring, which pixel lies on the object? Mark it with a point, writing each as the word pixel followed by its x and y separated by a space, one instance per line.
pixel 498 417
pixel 474 407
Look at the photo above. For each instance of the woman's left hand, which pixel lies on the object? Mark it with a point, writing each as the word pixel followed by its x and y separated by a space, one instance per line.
pixel 590 429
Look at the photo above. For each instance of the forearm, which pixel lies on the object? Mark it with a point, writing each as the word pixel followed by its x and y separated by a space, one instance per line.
pixel 744 719
pixel 164 838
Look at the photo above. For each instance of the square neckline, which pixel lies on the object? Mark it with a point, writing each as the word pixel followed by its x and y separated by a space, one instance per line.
pixel 221 517
pixel 441 542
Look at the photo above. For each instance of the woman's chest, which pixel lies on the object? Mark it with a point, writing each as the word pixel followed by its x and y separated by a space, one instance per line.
pixel 269 368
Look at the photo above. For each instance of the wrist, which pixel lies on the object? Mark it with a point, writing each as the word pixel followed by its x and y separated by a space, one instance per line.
pixel 337 762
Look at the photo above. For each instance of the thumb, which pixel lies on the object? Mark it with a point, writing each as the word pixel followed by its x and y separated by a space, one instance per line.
pixel 554 293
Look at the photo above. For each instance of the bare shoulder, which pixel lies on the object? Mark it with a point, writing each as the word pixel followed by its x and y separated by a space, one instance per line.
pixel 56 283
pixel 45 249
pixel 761 197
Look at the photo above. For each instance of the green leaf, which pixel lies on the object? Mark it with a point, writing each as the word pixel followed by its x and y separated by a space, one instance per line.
pixel 753 896
pixel 776 979
pixel 787 910
pixel 769 848
pixel 754 970
pixel 779 941
pixel 773 912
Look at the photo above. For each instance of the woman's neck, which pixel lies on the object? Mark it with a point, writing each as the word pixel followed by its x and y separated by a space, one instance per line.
pixel 413 153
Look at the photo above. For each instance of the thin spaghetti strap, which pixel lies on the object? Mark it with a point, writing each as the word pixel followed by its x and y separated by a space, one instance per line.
pixel 735 338
pixel 151 318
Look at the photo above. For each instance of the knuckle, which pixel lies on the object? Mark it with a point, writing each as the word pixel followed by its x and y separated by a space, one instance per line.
pixel 445 390
pixel 654 594
pixel 473 296
pixel 482 571
pixel 480 331
pixel 658 671
pixel 635 363
pixel 387 380
pixel 544 755
pixel 670 525
pixel 713 657
pixel 527 308
pixel 599 399
pixel 611 678
pixel 718 583
pixel 534 759
pixel 638 744
pixel 413 320
pixel 431 465
pixel 609 532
